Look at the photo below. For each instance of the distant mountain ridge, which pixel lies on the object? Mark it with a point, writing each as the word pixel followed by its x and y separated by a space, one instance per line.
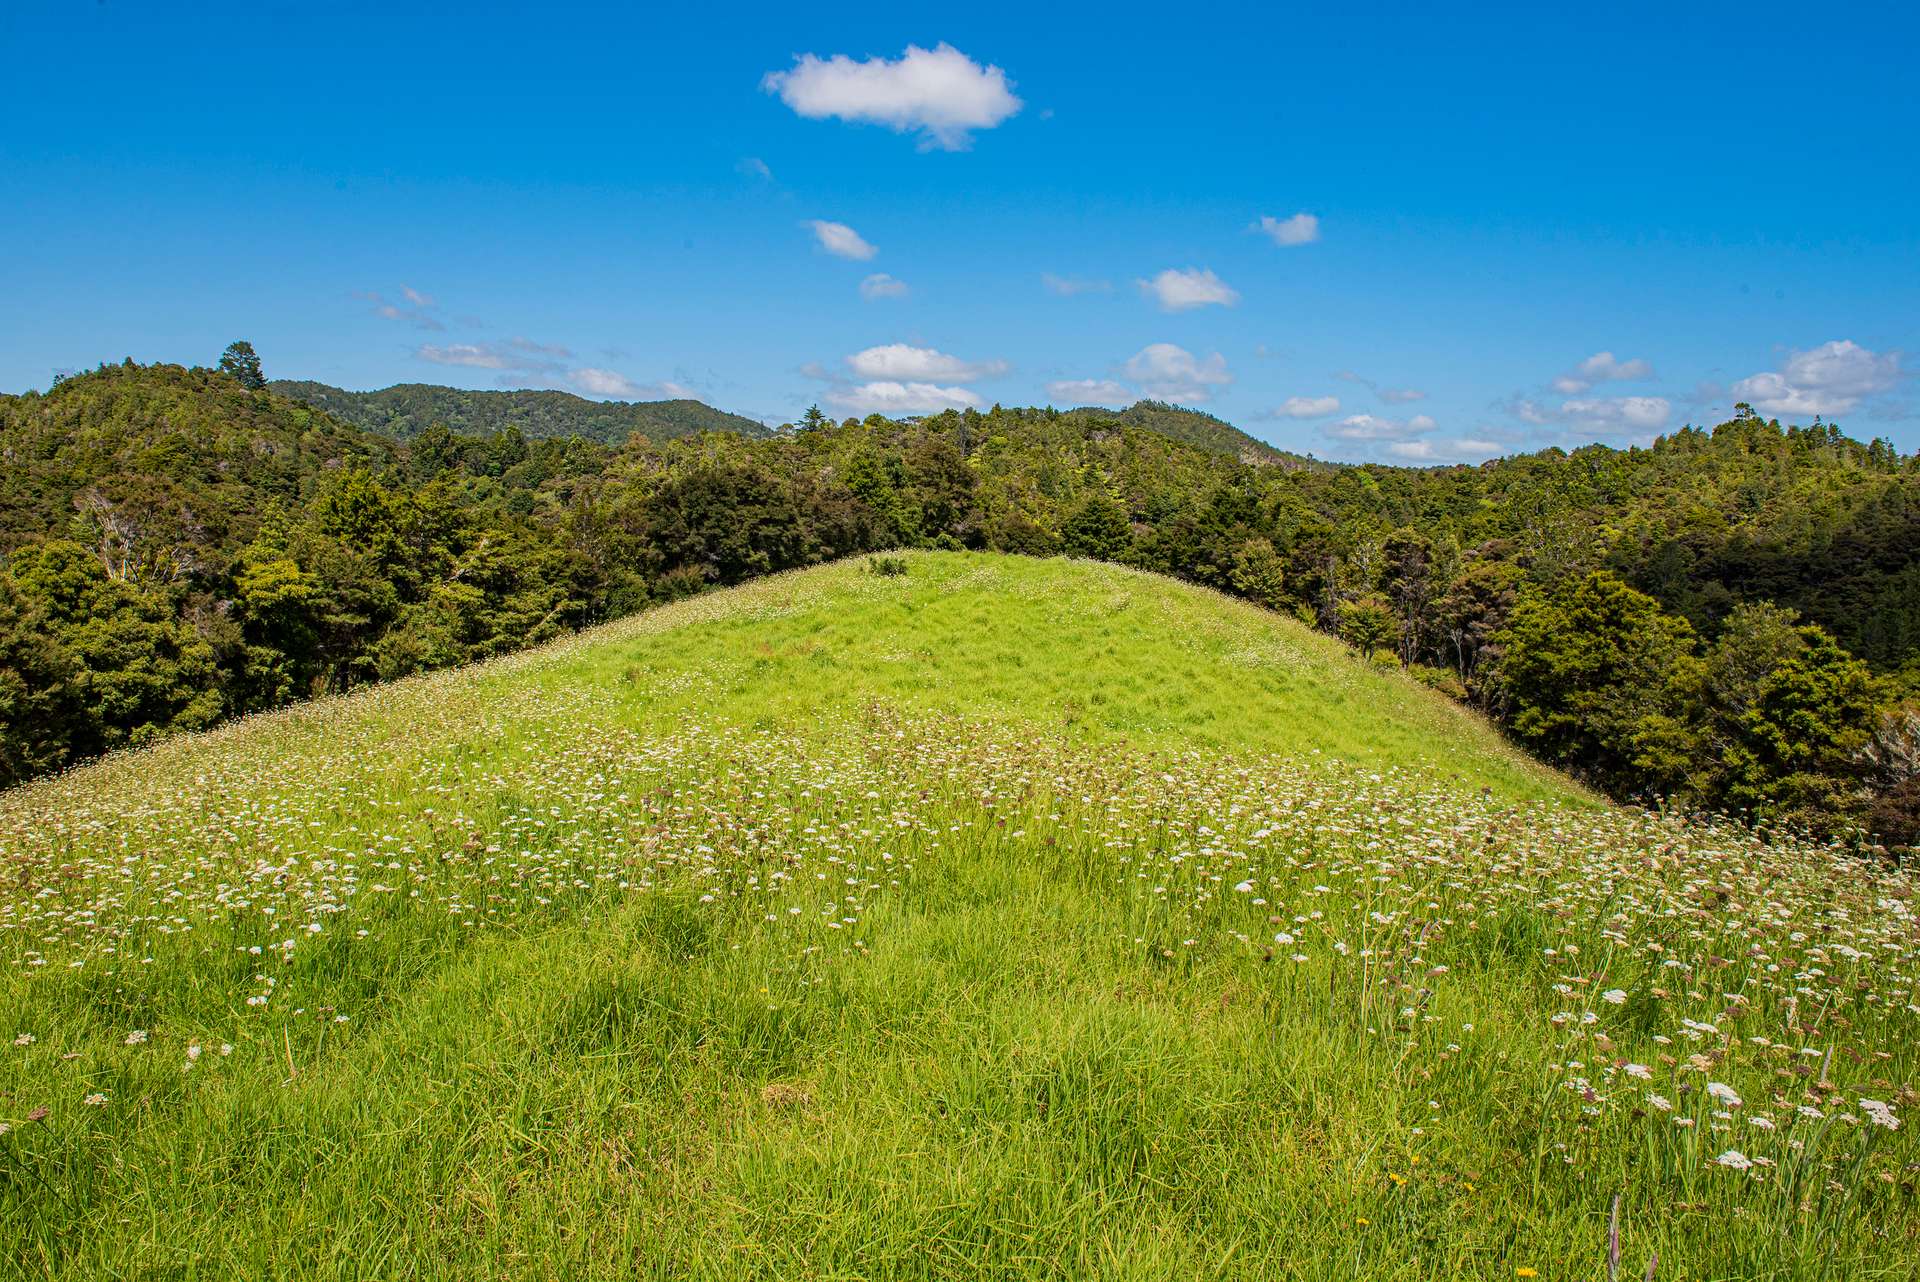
pixel 406 409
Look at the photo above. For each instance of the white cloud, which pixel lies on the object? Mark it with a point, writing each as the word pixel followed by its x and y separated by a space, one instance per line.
pixel 415 297
pixel 1171 373
pixel 1829 379
pixel 1391 395
pixel 478 356
pixel 1180 291
pixel 1373 428
pixel 1308 407
pixel 940 92
pixel 1068 286
pixel 1090 391
pixel 901 362
pixel 888 396
pixel 880 285
pixel 1301 229
pixel 1617 413
pixel 604 382
pixel 840 240
pixel 1601 367
pixel 754 167
pixel 589 381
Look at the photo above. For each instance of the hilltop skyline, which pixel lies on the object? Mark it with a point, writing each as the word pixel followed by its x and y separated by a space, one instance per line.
pixel 1406 238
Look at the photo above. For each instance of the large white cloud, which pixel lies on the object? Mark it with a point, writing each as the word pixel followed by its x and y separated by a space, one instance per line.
pixel 1091 391
pixel 889 396
pixel 1301 229
pixel 840 240
pixel 1829 379
pixel 1601 367
pixel 1308 406
pixel 940 92
pixel 1180 291
pixel 900 362
pixel 1171 373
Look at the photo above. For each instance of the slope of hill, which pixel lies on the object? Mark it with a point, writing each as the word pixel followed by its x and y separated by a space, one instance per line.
pixel 1192 427
pixel 1002 918
pixel 406 410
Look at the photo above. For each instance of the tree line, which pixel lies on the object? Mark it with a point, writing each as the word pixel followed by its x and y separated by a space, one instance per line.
pixel 1728 620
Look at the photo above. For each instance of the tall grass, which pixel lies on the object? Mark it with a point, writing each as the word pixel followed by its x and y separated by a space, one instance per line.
pixel 1001 918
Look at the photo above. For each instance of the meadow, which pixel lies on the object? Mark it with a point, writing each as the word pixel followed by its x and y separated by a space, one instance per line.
pixel 1004 918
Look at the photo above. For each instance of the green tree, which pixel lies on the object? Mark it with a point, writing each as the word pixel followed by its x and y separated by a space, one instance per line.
pixel 1367 625
pixel 1098 528
pixel 240 361
pixel 1596 677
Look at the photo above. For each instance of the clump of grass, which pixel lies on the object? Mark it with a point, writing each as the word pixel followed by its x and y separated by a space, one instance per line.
pixel 887 567
pixel 705 946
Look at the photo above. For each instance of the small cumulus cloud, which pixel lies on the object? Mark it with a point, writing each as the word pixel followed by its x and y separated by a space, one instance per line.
pixel 1308 407
pixel 1171 373
pixel 1373 428
pixel 1832 378
pixel 1611 415
pixel 1301 229
pixel 754 167
pixel 900 362
pixel 941 93
pixel 840 240
pixel 1180 291
pixel 1601 367
pixel 880 285
pixel 1091 391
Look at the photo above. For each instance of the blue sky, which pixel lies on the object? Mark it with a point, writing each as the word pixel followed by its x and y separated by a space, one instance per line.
pixel 1523 226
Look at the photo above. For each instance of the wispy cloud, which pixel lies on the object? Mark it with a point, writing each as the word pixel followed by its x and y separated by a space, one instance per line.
pixel 412 310
pixel 939 92
pixel 880 285
pixel 1091 391
pixel 1068 286
pixel 840 240
pixel 1179 291
pixel 1389 395
pixel 753 167
pixel 1601 367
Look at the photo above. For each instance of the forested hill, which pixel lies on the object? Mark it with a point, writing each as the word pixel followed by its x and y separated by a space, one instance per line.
pixel 1191 427
pixel 406 410
pixel 1729 619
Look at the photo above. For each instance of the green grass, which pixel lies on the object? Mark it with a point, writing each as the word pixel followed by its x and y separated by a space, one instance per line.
pixel 848 926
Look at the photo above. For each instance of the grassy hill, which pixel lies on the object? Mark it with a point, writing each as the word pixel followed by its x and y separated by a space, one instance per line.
pixel 1006 918
pixel 405 410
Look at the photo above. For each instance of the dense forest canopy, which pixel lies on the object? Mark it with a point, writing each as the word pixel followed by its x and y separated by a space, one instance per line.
pixel 1728 619
pixel 406 410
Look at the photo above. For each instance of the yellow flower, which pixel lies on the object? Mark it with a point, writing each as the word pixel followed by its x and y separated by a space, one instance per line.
pixel 1525 1272
pixel 1362 1221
